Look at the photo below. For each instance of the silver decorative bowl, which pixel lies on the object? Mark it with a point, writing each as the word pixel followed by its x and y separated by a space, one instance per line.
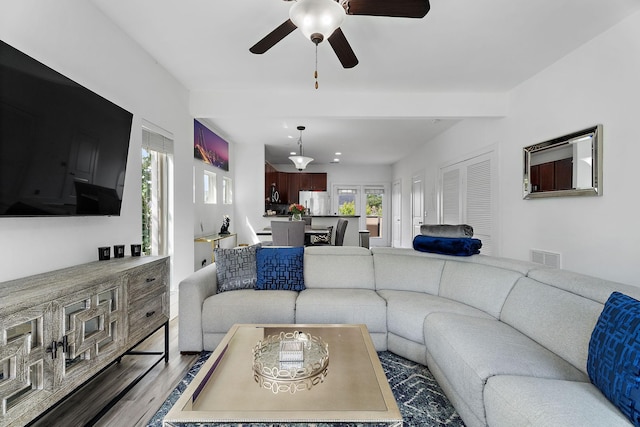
pixel 290 362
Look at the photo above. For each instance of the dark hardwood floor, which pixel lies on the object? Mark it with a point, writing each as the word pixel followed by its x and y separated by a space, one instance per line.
pixel 141 402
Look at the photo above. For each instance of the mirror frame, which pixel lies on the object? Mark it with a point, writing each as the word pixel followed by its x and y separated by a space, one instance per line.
pixel 566 140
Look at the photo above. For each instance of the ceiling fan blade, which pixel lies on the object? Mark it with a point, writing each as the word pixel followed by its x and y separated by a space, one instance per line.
pixel 393 8
pixel 273 37
pixel 342 48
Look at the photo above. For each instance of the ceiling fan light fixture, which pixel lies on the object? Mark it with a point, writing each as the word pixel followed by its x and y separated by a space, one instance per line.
pixel 317 19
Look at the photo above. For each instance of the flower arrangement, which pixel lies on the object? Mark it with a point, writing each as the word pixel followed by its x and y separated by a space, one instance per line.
pixel 296 208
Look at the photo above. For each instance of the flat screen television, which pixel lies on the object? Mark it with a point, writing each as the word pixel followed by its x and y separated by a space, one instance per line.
pixel 63 148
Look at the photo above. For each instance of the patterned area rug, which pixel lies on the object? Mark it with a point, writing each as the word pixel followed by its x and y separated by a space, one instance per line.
pixel 420 399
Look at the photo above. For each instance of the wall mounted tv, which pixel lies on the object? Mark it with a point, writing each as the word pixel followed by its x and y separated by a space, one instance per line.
pixel 63 148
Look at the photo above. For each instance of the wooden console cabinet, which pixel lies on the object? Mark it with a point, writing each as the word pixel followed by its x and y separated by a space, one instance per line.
pixel 59 329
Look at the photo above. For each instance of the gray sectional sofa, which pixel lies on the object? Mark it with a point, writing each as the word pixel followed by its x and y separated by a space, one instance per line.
pixel 505 339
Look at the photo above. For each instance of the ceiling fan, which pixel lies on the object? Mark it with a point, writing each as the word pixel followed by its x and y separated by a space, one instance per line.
pixel 320 19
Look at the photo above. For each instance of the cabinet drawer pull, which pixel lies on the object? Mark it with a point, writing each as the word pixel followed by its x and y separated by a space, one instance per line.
pixel 151 313
pixel 151 279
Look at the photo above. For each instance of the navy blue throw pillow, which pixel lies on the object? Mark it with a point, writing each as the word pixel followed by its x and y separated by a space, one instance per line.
pixel 280 268
pixel 613 363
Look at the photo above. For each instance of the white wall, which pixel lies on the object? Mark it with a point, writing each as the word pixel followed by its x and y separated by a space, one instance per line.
pixel 207 218
pixel 597 83
pixel 249 191
pixel 75 39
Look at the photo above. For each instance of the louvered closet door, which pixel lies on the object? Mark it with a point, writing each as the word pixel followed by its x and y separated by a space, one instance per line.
pixel 478 203
pixel 467 195
pixel 451 186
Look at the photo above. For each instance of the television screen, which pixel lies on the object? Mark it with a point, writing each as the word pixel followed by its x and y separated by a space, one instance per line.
pixel 63 148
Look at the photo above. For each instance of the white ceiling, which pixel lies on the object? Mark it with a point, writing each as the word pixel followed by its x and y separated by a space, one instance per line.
pixel 460 47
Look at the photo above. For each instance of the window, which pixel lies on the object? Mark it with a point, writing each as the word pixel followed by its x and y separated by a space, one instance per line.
pixel 374 203
pixel 347 199
pixel 210 188
pixel 227 191
pixel 157 173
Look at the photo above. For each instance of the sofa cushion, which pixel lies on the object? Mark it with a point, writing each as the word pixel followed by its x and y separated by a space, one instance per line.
pixel 469 350
pixel 614 354
pixel 480 286
pixel 236 268
pixel 406 270
pixel 221 311
pixel 542 402
pixel 561 321
pixel 406 311
pixel 338 267
pixel 342 306
pixel 280 268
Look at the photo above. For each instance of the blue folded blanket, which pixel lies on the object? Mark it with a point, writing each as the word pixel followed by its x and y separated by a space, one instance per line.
pixel 458 246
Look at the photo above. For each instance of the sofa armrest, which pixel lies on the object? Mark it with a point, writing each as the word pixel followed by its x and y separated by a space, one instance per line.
pixel 192 292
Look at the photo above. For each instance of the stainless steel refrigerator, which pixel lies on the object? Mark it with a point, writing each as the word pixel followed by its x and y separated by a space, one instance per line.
pixel 318 202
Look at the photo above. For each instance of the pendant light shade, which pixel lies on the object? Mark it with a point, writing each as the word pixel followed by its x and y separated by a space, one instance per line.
pixel 300 161
pixel 317 19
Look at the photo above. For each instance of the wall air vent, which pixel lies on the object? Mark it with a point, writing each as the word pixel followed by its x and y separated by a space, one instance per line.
pixel 549 259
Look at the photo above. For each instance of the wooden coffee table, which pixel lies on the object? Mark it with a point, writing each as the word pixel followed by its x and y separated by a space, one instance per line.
pixel 355 389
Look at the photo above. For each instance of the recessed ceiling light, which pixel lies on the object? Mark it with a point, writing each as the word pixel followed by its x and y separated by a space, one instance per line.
pixel 338 153
pixel 293 153
pixel 336 160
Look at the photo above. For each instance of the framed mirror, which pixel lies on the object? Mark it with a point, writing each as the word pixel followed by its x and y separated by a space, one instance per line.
pixel 570 165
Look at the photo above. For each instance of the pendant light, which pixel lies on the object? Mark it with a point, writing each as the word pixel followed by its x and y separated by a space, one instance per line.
pixel 300 161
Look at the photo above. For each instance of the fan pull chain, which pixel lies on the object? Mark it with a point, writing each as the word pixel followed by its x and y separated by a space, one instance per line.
pixel 315 74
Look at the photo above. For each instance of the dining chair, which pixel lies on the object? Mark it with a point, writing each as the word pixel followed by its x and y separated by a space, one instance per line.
pixel 341 227
pixel 287 233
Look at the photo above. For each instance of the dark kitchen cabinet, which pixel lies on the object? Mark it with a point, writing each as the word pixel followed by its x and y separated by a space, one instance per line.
pixel 550 176
pixel 289 184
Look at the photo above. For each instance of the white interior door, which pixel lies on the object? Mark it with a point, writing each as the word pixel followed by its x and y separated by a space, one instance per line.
pixel 417 203
pixel 396 213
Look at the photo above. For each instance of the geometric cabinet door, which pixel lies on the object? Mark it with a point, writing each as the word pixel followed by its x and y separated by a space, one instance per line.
pixel 90 328
pixel 22 360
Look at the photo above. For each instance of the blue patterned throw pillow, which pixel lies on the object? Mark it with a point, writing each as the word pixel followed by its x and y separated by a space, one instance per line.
pixel 613 363
pixel 280 268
